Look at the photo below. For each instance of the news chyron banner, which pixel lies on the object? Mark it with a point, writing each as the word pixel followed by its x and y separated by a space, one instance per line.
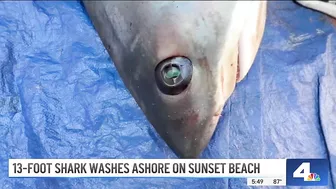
pixel 259 172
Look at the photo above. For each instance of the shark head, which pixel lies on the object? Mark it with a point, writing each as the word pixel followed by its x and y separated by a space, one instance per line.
pixel 181 60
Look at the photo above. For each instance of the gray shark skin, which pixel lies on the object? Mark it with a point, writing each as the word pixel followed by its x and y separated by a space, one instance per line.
pixel 327 7
pixel 179 60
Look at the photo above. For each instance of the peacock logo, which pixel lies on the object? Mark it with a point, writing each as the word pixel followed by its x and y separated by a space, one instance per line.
pixel 313 177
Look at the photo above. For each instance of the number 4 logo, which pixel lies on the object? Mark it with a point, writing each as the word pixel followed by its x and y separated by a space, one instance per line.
pixel 302 171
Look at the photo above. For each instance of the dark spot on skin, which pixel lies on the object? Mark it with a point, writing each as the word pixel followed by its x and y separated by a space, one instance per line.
pixel 203 62
pixel 130 26
pixel 192 119
pixel 231 64
pixel 188 118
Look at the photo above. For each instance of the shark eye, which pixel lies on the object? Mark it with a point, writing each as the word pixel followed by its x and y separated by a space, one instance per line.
pixel 173 75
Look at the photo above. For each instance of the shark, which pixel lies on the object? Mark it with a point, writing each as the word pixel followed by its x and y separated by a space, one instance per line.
pixel 181 60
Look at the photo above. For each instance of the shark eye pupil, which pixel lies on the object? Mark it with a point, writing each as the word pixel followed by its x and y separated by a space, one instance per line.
pixel 171 72
pixel 173 75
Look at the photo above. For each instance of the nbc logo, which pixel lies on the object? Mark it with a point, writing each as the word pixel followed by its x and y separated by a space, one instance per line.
pixel 303 171
pixel 313 177
pixel 307 172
